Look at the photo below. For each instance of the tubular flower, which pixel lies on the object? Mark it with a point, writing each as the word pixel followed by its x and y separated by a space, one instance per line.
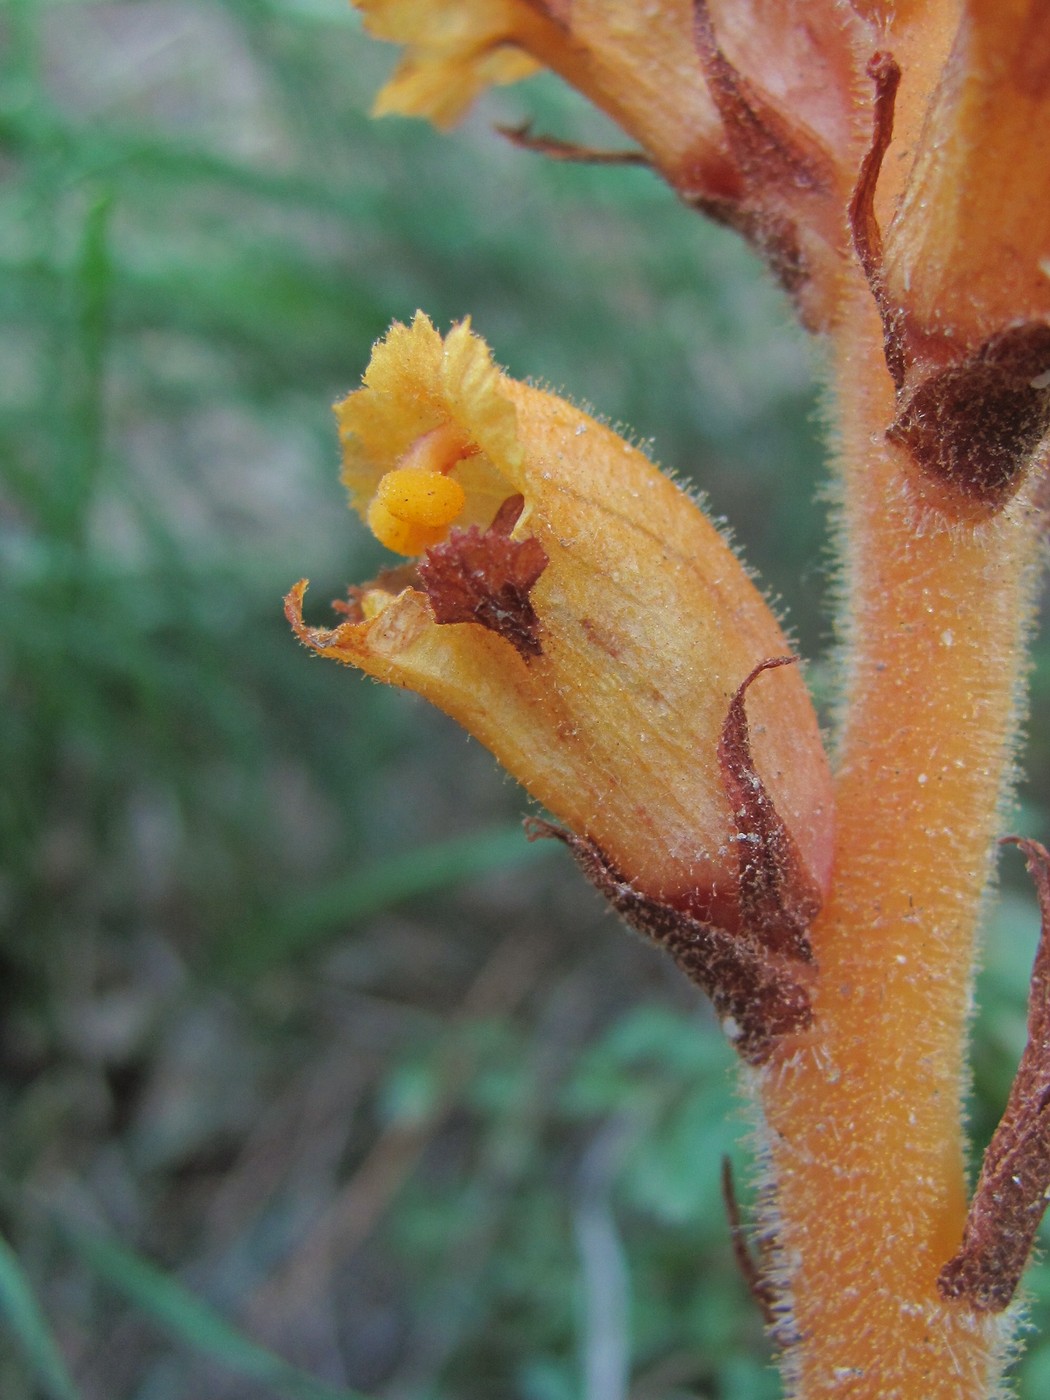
pixel 968 249
pixel 741 107
pixel 574 610
pixel 955 244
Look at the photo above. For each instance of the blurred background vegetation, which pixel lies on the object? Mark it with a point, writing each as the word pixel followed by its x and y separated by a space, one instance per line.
pixel 317 1080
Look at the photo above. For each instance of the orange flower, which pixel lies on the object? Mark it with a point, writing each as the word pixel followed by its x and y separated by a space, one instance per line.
pixel 968 249
pixel 960 276
pixel 742 110
pixel 578 613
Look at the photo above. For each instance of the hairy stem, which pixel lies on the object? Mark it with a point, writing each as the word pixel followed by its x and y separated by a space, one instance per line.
pixel 864 1114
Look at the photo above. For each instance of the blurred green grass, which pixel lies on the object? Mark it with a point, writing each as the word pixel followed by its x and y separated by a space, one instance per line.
pixel 354 1079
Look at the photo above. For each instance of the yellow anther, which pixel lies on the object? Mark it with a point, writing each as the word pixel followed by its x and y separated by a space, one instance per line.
pixel 402 536
pixel 417 499
pixel 421 497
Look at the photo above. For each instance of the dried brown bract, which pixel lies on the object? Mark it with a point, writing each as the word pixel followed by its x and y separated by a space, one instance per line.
pixel 1011 1194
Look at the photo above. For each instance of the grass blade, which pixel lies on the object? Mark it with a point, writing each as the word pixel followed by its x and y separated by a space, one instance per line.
pixel 193 1322
pixel 312 917
pixel 20 1310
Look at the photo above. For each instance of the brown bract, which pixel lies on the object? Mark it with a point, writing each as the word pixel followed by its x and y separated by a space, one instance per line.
pixel 755 971
pixel 757 998
pixel 778 898
pixel 486 577
pixel 974 427
pixel 1011 1195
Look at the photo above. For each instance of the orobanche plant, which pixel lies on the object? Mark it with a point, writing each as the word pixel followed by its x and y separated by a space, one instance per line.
pixel 574 609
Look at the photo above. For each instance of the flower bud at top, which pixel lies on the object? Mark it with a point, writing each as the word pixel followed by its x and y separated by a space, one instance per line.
pixel 577 612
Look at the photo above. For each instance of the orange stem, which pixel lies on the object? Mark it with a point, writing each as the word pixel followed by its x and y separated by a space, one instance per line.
pixel 865 1115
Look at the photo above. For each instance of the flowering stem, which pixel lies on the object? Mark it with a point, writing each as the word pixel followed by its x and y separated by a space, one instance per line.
pixel 864 1116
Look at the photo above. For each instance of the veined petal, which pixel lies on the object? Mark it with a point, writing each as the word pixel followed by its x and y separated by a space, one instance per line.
pixel 968 251
pixel 598 627
pixel 919 35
